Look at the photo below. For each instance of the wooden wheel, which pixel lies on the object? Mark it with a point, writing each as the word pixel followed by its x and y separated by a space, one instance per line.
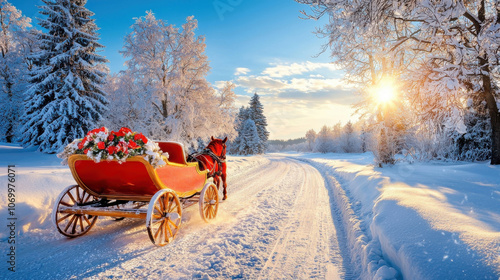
pixel 164 217
pixel 209 202
pixel 72 225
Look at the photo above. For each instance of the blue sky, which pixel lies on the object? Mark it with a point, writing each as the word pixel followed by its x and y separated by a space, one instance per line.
pixel 261 45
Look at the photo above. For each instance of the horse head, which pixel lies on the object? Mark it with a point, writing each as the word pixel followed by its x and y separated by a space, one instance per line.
pixel 218 147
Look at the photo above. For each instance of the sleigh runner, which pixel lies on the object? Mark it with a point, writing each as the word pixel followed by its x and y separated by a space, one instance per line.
pixel 123 190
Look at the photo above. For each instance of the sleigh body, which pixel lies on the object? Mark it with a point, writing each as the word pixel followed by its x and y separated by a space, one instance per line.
pixel 122 189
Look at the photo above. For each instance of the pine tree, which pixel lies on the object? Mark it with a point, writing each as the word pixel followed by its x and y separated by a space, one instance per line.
pixel 245 143
pixel 256 112
pixel 65 99
pixel 234 146
pixel 250 140
pixel 348 143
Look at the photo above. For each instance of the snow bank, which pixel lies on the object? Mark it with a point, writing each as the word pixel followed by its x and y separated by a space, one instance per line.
pixel 429 221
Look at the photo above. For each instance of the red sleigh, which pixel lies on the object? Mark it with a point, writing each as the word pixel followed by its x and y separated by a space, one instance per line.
pixel 123 190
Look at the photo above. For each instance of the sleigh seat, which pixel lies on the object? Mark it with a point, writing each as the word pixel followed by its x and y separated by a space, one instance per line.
pixel 175 151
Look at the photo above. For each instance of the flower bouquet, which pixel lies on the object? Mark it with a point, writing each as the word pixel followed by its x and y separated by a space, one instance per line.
pixel 100 144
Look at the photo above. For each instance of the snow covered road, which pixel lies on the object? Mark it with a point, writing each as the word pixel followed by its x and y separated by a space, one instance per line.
pixel 276 224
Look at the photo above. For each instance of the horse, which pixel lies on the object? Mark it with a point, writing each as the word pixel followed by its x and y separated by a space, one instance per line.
pixel 213 159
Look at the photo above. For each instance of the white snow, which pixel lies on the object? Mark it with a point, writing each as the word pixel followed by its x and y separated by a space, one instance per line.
pixel 429 220
pixel 288 216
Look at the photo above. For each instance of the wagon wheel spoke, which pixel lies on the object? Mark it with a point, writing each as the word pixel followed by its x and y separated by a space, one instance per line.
pixel 173 224
pixel 65 204
pixel 87 199
pixel 72 198
pixel 171 205
pixel 212 212
pixel 77 190
pixel 75 222
pixel 167 238
pixel 81 223
pixel 160 229
pixel 63 218
pixel 167 201
pixel 155 216
pixel 69 223
pixel 86 219
pixel 158 209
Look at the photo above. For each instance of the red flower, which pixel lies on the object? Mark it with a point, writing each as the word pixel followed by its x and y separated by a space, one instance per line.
pixel 101 145
pixel 119 133
pixel 80 145
pixel 122 147
pixel 93 131
pixel 132 144
pixel 97 130
pixel 141 137
pixel 111 150
pixel 111 136
pixel 125 130
pixel 86 151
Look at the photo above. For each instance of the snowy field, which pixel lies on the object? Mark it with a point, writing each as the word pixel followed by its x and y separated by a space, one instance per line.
pixel 288 216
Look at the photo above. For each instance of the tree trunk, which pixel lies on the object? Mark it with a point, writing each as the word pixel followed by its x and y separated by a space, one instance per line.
pixel 494 119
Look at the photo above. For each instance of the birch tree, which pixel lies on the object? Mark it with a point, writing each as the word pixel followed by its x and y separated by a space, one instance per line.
pixel 169 66
pixel 16 44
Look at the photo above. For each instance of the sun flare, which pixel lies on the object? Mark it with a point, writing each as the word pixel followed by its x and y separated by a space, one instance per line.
pixel 385 92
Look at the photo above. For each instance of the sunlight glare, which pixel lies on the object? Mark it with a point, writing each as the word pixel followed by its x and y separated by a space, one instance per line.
pixel 385 92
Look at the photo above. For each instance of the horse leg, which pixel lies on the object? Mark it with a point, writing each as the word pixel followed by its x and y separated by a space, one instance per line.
pixel 217 181
pixel 224 184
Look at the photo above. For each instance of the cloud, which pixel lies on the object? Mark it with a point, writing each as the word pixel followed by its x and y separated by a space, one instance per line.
pixel 312 85
pixel 260 82
pixel 220 84
pixel 330 90
pixel 298 96
pixel 290 118
pixel 284 70
pixel 241 71
pixel 337 96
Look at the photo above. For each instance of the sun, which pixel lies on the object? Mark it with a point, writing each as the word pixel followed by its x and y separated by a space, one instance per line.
pixel 385 91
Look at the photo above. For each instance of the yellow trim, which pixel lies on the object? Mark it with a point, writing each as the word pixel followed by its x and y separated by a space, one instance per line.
pixel 151 172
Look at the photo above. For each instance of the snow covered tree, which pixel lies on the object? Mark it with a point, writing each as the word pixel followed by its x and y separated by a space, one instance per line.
pixel 65 99
pixel 241 117
pixel 256 112
pixel 310 137
pixel 169 67
pixel 438 48
pixel 16 44
pixel 475 143
pixel 349 142
pixel 324 140
pixel 248 139
pixel 126 103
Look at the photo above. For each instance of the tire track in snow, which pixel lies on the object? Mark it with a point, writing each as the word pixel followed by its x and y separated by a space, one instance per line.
pixel 307 247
